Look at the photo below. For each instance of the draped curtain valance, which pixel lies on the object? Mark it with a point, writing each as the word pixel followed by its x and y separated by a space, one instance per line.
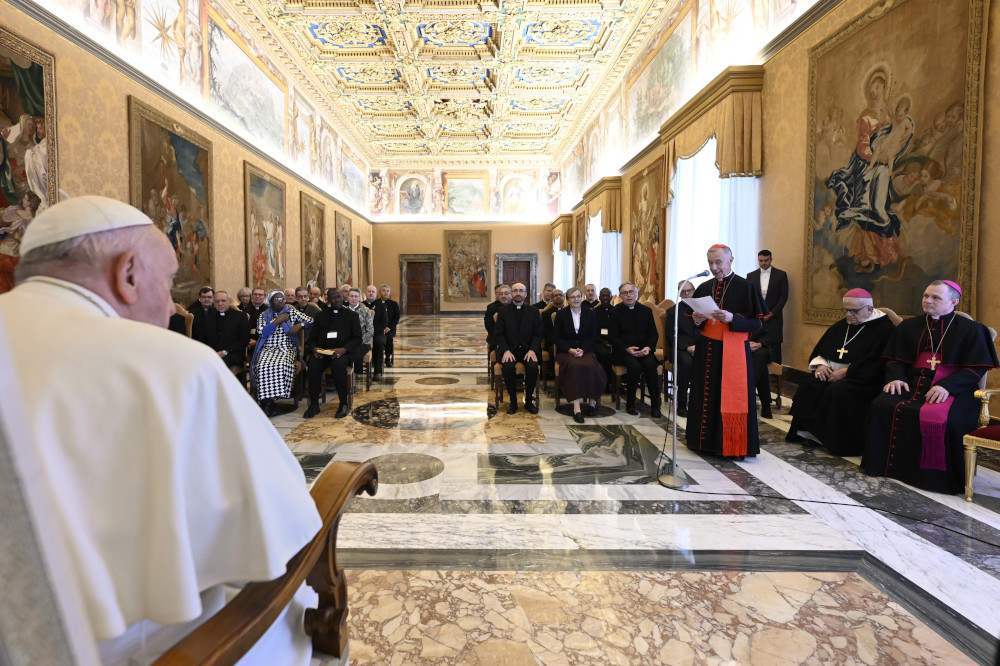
pixel 562 231
pixel 605 197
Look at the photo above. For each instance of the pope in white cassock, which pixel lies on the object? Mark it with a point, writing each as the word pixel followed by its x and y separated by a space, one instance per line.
pixel 167 479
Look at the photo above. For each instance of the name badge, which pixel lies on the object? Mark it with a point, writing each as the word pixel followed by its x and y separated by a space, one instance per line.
pixel 253 331
pixel 604 331
pixel 331 334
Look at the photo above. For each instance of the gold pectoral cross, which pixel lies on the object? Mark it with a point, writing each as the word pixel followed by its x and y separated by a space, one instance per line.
pixel 841 352
pixel 933 362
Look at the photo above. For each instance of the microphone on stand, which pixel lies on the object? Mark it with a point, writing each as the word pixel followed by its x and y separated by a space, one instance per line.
pixel 676 478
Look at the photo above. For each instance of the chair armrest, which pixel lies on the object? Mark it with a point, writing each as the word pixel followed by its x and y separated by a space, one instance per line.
pixel 230 633
pixel 984 412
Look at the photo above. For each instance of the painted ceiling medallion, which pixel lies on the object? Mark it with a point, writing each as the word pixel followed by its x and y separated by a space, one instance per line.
pixel 561 33
pixel 344 35
pixel 454 33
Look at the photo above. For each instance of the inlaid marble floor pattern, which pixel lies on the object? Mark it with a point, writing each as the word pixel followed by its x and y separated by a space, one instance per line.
pixel 529 539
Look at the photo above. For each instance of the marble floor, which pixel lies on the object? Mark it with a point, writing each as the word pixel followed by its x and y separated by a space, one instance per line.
pixel 510 539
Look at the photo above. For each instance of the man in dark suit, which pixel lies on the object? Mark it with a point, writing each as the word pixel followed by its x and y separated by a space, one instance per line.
pixel 392 320
pixel 227 331
pixel 590 299
pixel 546 296
pixel 518 335
pixel 200 309
pixel 548 332
pixel 687 338
pixel 773 285
pixel 633 343
pixel 605 315
pixel 502 293
pixel 253 310
pixel 380 320
pixel 332 343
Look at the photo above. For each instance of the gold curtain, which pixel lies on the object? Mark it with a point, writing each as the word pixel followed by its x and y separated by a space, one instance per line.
pixel 562 231
pixel 605 197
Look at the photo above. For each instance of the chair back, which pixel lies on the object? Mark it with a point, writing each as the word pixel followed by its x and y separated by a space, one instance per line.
pixel 893 317
pixel 993 338
pixel 666 304
pixel 660 317
pixel 188 318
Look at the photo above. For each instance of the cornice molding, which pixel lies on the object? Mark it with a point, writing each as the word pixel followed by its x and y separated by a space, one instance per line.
pixel 742 78
pixel 565 218
pixel 601 186
pixel 798 26
pixel 51 21
pixel 647 150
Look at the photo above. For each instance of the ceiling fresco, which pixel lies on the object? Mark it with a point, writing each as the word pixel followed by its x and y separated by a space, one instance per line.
pixel 459 82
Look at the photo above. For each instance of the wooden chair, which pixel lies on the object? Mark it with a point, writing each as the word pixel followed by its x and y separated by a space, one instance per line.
pixel 351 386
pixel 366 369
pixel 547 354
pixel 299 380
pixel 775 371
pixel 188 318
pixel 499 387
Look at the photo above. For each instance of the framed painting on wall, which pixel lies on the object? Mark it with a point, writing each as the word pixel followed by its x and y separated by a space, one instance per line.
pixel 170 179
pixel 28 168
pixel 264 200
pixel 465 194
pixel 467 265
pixel 312 217
pixel 342 225
pixel 893 153
pixel 646 215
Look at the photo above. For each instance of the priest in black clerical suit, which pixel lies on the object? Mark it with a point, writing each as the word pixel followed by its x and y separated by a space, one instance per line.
pixel 848 372
pixel 336 329
pixel 633 344
pixel 227 331
pixel 722 414
pixel 687 340
pixel 518 336
pixel 392 321
pixel 380 320
pixel 605 316
pixel 934 363
pixel 502 293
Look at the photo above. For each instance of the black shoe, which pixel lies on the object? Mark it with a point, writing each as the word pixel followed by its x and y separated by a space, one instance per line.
pixel 268 407
pixel 655 412
pixel 388 364
pixel 377 377
pixel 578 417
pixel 630 409
pixel 512 408
pixel 531 407
pixel 343 410
pixel 793 437
pixel 765 412
pixel 682 411
pixel 311 411
pixel 590 410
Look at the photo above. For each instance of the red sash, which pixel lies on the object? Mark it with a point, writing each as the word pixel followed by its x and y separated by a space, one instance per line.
pixel 934 420
pixel 733 394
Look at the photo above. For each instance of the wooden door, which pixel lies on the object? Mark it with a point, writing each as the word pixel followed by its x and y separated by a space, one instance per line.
pixel 517 271
pixel 420 287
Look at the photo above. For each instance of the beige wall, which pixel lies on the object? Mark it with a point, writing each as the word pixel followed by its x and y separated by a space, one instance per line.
pixel 92 131
pixel 782 201
pixel 392 240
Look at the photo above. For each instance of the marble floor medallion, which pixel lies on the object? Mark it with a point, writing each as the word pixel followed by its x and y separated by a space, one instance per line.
pixel 424 412
pixel 398 468
pixel 436 381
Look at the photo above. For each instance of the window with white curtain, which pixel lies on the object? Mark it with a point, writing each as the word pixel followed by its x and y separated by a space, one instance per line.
pixel 595 244
pixel 707 210
pixel 611 261
pixel 562 267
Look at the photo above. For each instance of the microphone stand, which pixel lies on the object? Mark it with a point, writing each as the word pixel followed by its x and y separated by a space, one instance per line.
pixel 675 476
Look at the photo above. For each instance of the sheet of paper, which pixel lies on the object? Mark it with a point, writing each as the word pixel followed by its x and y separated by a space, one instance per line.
pixel 704 305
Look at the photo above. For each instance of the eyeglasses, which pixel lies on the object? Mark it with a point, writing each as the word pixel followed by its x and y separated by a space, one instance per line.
pixel 855 311
pixel 629 292
pixel 687 291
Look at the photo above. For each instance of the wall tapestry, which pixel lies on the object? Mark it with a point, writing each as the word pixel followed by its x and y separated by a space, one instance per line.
pixel 467 265
pixel 648 231
pixel 264 199
pixel 580 248
pixel 312 216
pixel 27 124
pixel 343 232
pixel 893 150
pixel 170 179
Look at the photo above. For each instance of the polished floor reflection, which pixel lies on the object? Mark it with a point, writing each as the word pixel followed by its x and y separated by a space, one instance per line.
pixel 483 519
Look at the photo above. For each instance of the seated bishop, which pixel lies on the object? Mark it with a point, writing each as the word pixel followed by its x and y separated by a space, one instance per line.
pixel 934 363
pixel 847 374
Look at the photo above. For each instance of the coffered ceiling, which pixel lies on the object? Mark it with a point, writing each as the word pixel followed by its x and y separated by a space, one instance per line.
pixel 458 82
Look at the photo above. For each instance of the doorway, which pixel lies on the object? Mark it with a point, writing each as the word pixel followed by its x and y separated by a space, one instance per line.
pixel 521 268
pixel 420 283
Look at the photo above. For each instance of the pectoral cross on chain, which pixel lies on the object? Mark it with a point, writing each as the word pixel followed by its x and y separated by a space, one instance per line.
pixel 841 352
pixel 933 362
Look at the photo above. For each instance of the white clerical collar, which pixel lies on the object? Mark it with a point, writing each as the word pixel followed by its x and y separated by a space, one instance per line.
pixel 82 293
pixel 765 271
pixel 726 276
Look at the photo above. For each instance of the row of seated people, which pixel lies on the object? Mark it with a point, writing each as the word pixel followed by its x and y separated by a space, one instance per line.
pixel 900 396
pixel 589 336
pixel 271 330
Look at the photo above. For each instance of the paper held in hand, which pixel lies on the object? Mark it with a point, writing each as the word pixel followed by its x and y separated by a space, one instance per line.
pixel 703 305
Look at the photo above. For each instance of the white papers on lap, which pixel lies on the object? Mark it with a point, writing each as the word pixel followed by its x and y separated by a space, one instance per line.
pixel 704 305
